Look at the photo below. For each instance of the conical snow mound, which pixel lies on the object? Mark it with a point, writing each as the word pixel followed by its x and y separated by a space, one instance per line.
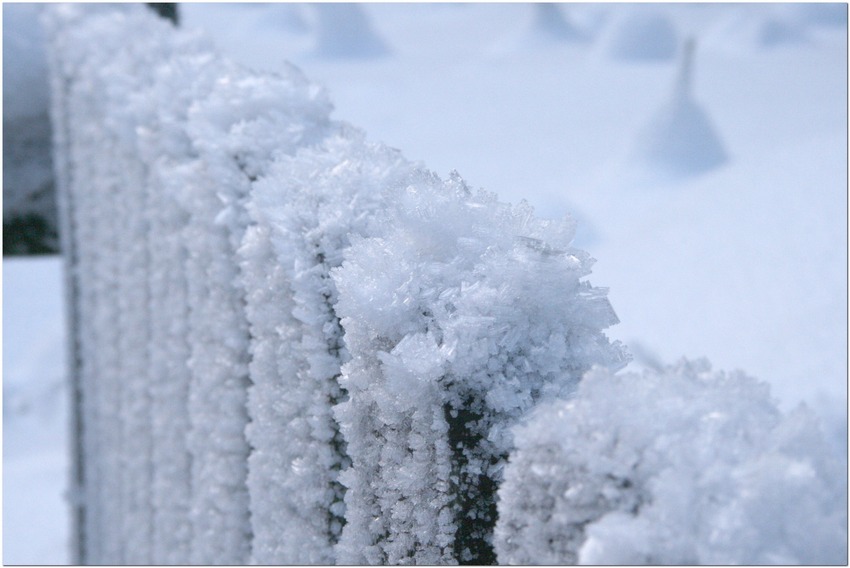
pixel 343 30
pixel 642 35
pixel 680 138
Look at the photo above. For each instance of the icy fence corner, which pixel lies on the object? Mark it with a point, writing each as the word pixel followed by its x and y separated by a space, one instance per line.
pixel 290 345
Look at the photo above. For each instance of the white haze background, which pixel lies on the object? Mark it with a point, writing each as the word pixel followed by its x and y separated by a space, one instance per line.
pixel 740 258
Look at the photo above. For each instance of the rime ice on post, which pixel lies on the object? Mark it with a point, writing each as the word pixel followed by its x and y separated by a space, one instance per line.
pixel 59 77
pixel 174 168
pixel 680 139
pixel 459 316
pixel 268 307
pixel 683 466
pixel 287 113
pixel 184 137
pixel 78 276
pixel 150 134
pixel 116 150
pixel 127 81
pixel 96 163
pixel 236 130
pixel 307 209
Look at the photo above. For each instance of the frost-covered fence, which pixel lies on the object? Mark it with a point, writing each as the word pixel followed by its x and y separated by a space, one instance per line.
pixel 680 466
pixel 157 142
pixel 292 346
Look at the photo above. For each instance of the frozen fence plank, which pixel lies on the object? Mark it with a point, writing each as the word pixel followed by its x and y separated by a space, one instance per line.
pixel 127 106
pixel 307 208
pixel 166 146
pixel 89 173
pixel 59 79
pixel 235 130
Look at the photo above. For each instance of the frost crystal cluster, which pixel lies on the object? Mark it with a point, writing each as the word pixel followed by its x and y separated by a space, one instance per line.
pixel 459 316
pixel 684 466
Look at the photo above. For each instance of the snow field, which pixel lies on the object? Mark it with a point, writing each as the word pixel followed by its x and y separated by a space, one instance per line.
pixel 35 414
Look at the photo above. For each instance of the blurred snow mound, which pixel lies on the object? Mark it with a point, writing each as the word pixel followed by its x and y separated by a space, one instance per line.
pixel 680 139
pixel 678 466
pixel 774 31
pixel 760 29
pixel 642 35
pixel 827 14
pixel 550 24
pixel 289 17
pixel 344 31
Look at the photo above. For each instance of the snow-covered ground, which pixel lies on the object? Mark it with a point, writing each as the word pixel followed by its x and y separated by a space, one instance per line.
pixel 743 262
pixel 35 413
